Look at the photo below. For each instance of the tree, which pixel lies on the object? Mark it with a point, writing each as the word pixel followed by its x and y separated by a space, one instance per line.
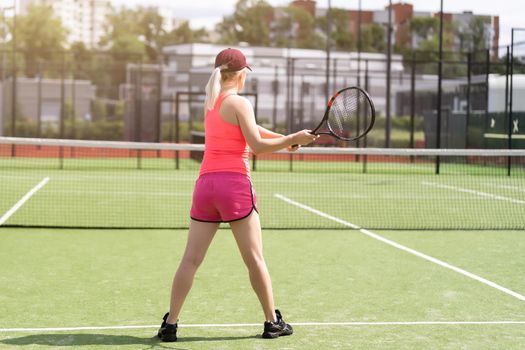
pixel 297 29
pixel 373 38
pixel 183 34
pixel 249 23
pixel 132 34
pixel 123 33
pixel 344 40
pixel 151 30
pixel 82 60
pixel 40 36
pixel 476 33
pixel 340 29
pixel 425 31
pixel 424 28
pixel 425 35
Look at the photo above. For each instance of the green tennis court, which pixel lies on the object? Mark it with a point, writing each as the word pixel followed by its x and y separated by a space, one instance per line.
pixel 105 189
pixel 53 278
pixel 394 257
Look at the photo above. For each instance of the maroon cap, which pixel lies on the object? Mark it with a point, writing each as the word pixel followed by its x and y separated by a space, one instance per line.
pixel 233 59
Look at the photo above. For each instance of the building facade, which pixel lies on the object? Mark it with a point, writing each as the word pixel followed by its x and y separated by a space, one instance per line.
pixel 84 19
pixel 41 100
pixel 403 13
pixel 290 84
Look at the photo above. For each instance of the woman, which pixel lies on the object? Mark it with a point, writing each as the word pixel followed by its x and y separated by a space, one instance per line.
pixel 223 191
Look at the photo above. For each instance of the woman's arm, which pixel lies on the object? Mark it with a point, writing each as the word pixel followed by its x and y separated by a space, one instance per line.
pixel 252 132
pixel 268 134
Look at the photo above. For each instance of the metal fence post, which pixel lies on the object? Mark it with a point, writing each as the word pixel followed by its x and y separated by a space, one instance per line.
pixel 177 128
pixel 487 71
pixel 138 133
pixel 73 101
pixel 507 115
pixel 469 82
pixel 159 102
pixel 388 125
pixel 412 99
pixel 275 86
pixel 62 107
pixel 365 139
pixel 39 102
pixel 439 92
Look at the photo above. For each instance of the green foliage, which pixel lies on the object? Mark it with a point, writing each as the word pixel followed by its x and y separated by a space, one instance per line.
pixel 120 109
pixel 249 23
pixel 123 30
pixel 133 34
pixel 99 110
pixel 473 38
pixel 477 29
pixel 306 36
pixel 424 27
pixel 403 123
pixel 400 132
pixel 73 129
pixel 101 127
pixel 81 59
pixel 39 36
pixel 500 66
pixel 151 31
pixel 102 130
pixel 340 29
pixel 183 34
pixel 297 29
pixel 427 29
pixel 373 38
pixel 127 47
pixel 168 131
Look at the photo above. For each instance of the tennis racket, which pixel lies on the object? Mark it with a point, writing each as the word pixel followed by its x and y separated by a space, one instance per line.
pixel 349 115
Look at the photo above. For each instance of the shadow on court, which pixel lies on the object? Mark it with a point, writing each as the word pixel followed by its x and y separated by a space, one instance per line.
pixel 105 339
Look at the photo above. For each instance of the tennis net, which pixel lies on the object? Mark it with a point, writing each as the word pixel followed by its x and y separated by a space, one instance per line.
pixel 91 184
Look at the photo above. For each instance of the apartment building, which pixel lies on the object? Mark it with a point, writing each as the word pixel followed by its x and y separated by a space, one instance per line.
pixel 84 19
pixel 402 14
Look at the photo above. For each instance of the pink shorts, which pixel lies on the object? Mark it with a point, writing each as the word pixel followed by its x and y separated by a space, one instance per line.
pixel 222 197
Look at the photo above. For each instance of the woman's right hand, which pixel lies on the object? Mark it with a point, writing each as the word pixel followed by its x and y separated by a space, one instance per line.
pixel 304 137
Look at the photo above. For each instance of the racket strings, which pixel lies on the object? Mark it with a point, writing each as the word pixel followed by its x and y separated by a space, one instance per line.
pixel 349 113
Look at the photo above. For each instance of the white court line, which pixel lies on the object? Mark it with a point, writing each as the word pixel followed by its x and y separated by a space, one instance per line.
pixel 477 193
pixel 21 202
pixel 514 188
pixel 124 193
pixel 402 247
pixel 245 325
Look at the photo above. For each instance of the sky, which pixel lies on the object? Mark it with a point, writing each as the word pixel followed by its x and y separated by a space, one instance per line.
pixel 206 13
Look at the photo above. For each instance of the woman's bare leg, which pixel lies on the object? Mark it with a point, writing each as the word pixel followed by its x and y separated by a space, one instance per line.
pixel 247 233
pixel 200 236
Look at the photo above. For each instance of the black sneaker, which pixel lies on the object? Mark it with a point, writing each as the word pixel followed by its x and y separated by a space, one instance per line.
pixel 167 332
pixel 276 329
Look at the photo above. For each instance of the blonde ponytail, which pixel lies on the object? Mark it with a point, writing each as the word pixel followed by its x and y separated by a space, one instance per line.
pixel 213 88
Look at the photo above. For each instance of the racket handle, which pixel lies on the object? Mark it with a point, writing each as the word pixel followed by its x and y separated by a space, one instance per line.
pixel 311 133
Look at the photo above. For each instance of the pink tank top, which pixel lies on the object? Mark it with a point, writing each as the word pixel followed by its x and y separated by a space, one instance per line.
pixel 225 147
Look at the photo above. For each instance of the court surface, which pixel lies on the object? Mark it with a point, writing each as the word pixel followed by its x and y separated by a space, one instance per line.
pixel 342 289
pixel 341 282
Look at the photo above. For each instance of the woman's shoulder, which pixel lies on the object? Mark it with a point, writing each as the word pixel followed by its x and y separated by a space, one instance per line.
pixel 236 100
pixel 237 103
